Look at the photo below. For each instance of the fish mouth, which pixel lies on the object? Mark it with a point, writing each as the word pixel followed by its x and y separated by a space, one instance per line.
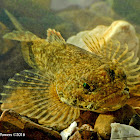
pixel 112 102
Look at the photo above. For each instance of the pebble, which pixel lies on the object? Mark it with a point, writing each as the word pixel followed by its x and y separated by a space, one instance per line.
pixel 119 30
pixel 68 131
pixel 103 122
pixel 122 131
pixel 12 122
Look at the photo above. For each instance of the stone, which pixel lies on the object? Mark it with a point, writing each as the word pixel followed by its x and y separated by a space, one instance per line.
pixel 135 121
pixel 13 118
pixel 102 125
pixel 122 131
pixel 75 136
pixel 12 122
pixel 103 122
pixel 84 19
pixel 68 131
pixel 57 5
pixel 102 8
pixel 119 30
pixel 87 117
pixel 78 38
pixel 85 132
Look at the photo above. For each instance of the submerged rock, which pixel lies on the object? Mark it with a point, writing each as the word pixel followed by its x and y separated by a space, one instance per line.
pixel 84 19
pixel 12 122
pixel 68 131
pixel 102 8
pixel 103 122
pixel 57 5
pixel 122 131
pixel 85 132
pixel 87 117
pixel 135 121
pixel 119 30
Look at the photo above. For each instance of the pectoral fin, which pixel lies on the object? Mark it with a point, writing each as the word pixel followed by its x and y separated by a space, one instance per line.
pixel 31 94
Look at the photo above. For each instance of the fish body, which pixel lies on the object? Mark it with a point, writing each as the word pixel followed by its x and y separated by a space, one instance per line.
pixel 66 79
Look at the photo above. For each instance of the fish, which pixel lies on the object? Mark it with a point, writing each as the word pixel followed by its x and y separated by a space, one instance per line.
pixel 65 78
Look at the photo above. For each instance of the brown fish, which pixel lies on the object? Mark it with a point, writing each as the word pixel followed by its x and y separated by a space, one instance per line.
pixel 66 79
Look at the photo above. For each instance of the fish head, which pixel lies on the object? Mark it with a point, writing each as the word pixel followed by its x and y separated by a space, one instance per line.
pixel 101 90
pixel 107 88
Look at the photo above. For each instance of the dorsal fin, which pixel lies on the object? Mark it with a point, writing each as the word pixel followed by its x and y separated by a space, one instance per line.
pixel 111 50
pixel 54 37
pixel 119 55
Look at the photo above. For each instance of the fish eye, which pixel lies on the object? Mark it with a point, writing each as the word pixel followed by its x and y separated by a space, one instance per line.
pixel 86 86
pixel 112 74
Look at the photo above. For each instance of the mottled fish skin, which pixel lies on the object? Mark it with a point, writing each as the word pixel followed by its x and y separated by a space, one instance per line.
pixel 55 57
pixel 71 67
pixel 66 79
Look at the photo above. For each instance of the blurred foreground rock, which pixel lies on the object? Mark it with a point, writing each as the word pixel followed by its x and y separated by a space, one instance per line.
pixel 85 132
pixel 135 121
pixel 103 122
pixel 121 31
pixel 122 131
pixel 12 122
pixel 87 117
pixel 93 127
